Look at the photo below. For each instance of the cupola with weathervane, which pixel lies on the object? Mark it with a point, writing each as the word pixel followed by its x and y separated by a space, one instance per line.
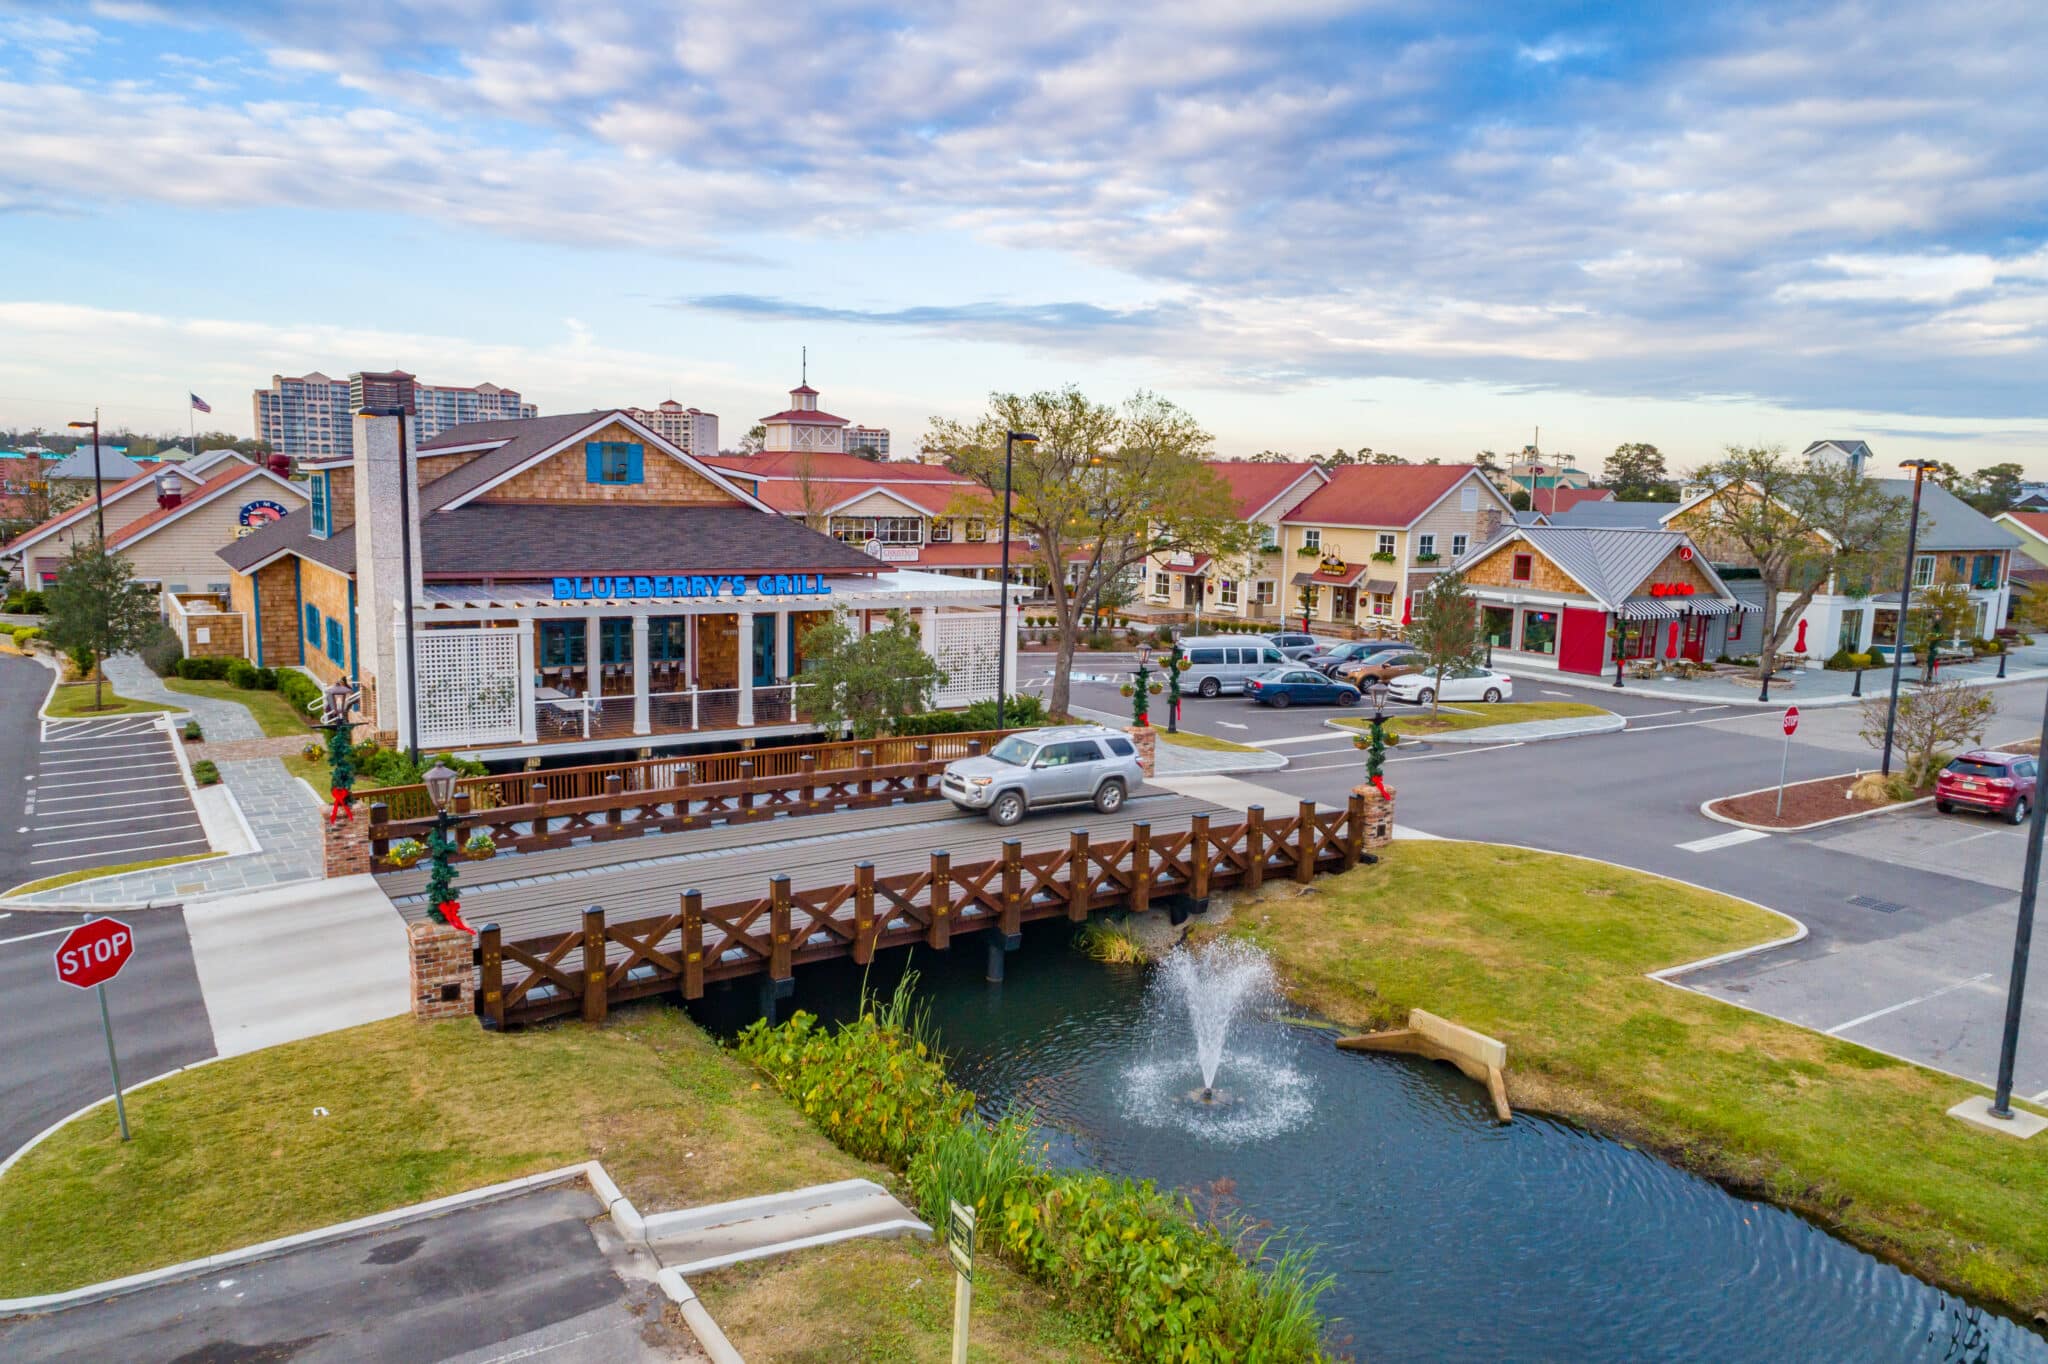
pixel 802 425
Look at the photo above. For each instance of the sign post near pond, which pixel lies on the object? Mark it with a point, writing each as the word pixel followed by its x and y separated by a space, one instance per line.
pixel 960 1247
pixel 91 955
pixel 1784 761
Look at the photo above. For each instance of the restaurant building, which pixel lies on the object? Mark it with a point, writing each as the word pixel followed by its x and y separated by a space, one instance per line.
pixel 578 584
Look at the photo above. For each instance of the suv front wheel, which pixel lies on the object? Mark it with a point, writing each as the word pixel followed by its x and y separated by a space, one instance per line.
pixel 1007 808
pixel 1109 797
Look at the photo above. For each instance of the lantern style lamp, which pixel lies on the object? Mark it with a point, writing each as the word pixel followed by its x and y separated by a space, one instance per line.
pixel 440 783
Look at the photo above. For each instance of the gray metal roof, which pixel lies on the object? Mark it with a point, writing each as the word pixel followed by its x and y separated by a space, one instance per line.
pixel 1947 522
pixel 1610 562
pixel 1635 515
pixel 78 464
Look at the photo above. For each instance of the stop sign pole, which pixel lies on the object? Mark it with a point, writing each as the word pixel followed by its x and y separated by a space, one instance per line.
pixel 1784 760
pixel 91 955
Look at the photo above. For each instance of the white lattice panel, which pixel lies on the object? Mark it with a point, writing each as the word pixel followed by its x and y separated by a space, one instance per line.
pixel 469 686
pixel 967 645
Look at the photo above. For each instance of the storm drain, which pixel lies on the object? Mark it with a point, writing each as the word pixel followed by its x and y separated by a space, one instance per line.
pixel 1872 902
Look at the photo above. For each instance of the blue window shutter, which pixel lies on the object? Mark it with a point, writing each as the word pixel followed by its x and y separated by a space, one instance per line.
pixel 334 654
pixel 593 462
pixel 633 454
pixel 312 624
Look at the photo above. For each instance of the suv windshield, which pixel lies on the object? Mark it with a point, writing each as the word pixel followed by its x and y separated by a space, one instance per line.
pixel 1015 750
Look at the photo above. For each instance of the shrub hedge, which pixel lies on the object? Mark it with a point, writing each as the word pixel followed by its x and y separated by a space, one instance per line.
pixel 1020 712
pixel 1134 1259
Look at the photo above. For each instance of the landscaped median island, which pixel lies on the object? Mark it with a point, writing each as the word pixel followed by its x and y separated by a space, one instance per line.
pixel 1420 724
pixel 74 700
pixel 70 878
pixel 1551 954
pixel 380 1117
pixel 1208 743
pixel 1807 803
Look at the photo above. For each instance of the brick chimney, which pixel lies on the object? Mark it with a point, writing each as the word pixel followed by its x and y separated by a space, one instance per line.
pixel 1489 524
pixel 168 493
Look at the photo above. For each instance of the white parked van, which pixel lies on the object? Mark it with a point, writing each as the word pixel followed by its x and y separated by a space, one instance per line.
pixel 1221 663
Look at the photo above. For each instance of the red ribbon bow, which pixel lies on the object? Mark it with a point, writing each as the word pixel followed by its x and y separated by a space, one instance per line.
pixel 341 809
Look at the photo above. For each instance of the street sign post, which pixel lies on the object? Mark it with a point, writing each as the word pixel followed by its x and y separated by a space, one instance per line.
pixel 91 955
pixel 1791 727
pixel 960 1247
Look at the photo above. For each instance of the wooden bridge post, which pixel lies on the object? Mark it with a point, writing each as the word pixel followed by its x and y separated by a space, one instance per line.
pixel 686 778
pixel 1354 830
pixel 974 748
pixel 778 927
pixel 1141 867
pixel 807 766
pixel 693 944
pixel 380 817
pixel 1013 890
pixel 614 790
pixel 537 796
pixel 940 934
pixel 923 781
pixel 745 802
pixel 1254 846
pixel 1198 858
pixel 1305 837
pixel 595 1001
pixel 864 933
pixel 1077 875
pixel 865 758
pixel 490 960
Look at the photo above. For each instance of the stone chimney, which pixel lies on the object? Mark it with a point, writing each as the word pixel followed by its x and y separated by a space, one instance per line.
pixel 381 482
pixel 1489 524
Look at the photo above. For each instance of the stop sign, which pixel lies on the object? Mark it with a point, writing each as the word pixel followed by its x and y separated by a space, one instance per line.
pixel 1791 720
pixel 94 953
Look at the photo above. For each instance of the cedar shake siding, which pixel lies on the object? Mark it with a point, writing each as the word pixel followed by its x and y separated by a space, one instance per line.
pixel 1497 570
pixel 564 478
pixel 327 592
pixel 277 627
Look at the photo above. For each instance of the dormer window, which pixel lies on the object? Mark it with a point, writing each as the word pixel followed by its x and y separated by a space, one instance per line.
pixel 612 461
pixel 322 515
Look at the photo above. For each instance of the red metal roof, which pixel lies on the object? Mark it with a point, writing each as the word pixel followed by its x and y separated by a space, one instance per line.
pixel 1377 494
pixel 1567 498
pixel 809 418
pixel 86 508
pixel 219 483
pixel 1255 485
pixel 1194 569
pixel 834 465
pixel 2037 522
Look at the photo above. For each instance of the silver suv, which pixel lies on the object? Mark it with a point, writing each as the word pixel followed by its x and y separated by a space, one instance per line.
pixel 1038 767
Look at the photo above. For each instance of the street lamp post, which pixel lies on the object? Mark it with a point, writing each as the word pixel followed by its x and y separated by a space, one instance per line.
pixel 1891 711
pixel 1011 440
pixel 1175 660
pixel 99 491
pixel 2022 945
pixel 1141 683
pixel 336 701
pixel 441 902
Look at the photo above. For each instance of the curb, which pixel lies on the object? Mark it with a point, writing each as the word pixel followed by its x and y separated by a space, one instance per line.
pixel 1491 734
pixel 1801 828
pixel 1790 698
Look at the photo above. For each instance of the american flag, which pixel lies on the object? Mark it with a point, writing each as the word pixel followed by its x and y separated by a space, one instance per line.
pixel 200 404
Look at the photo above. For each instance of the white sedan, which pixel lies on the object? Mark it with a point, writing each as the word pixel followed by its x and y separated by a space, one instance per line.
pixel 1463 684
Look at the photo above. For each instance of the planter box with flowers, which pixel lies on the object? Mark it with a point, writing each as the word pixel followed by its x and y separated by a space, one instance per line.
pixel 480 847
pixel 1427 558
pixel 1385 556
pixel 404 853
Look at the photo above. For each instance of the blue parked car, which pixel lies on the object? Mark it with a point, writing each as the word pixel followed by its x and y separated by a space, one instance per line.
pixel 1285 686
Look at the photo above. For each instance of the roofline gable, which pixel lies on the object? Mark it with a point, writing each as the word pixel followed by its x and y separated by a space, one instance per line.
pixel 2007 518
pixel 717 477
pixel 1313 471
pixel 1493 547
pixel 868 492
pixel 120 493
pixel 119 539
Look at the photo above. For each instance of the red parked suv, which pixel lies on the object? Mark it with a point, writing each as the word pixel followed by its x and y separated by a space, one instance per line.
pixel 2002 783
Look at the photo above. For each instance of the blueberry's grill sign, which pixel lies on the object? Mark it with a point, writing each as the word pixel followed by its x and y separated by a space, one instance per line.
pixel 620 587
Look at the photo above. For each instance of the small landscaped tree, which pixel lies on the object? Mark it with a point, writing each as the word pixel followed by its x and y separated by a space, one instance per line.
pixel 97 607
pixel 862 682
pixel 1444 629
pixel 1935 721
pixel 1941 613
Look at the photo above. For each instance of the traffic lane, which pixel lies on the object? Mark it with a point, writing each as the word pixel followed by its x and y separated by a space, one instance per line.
pixel 510 1279
pixel 23 685
pixel 53 1056
pixel 109 792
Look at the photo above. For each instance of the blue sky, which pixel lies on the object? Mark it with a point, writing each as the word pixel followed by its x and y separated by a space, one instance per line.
pixel 1421 227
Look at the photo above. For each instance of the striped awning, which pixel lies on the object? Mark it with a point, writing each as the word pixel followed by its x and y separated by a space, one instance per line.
pixel 1672 608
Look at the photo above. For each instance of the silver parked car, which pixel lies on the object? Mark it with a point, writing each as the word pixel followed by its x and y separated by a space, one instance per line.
pixel 1063 765
pixel 1221 663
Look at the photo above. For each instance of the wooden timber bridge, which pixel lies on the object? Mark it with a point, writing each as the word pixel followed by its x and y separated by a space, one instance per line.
pixel 599 964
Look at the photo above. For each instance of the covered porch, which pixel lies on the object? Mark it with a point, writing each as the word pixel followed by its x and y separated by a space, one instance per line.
pixel 508 669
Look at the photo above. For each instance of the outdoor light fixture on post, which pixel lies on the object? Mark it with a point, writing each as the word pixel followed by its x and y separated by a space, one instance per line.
pixel 336 701
pixel 2022 945
pixel 1376 746
pixel 1176 663
pixel 1011 440
pixel 1141 685
pixel 442 905
pixel 99 491
pixel 1891 710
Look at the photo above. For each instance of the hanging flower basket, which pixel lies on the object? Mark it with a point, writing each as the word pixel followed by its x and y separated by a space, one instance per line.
pixel 1153 689
pixel 404 853
pixel 480 847
pixel 1128 690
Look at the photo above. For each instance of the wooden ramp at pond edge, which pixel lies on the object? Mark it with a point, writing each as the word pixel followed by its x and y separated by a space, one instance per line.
pixel 1439 1039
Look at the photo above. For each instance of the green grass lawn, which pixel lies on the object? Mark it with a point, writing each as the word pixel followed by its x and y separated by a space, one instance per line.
pixel 1206 742
pixel 94 873
pixel 1549 953
pixel 277 716
pixel 74 701
pixel 234 1153
pixel 1475 715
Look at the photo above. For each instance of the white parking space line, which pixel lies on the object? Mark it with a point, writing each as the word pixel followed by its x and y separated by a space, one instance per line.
pixel 86 755
pixel 105 801
pixel 1232 724
pixel 1733 838
pixel 1687 724
pixel 1907 1004
pixel 155 763
pixel 84 823
pixel 1552 691
pixel 46 933
pixel 1322 738
pixel 147 847
pixel 126 833
pixel 79 785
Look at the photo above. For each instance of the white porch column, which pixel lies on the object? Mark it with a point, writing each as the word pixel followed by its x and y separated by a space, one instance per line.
pixel 1009 627
pixel 781 644
pixel 593 668
pixel 640 725
pixel 527 733
pixel 745 666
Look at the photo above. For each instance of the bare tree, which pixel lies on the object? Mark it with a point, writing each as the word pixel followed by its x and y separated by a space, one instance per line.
pixel 1934 721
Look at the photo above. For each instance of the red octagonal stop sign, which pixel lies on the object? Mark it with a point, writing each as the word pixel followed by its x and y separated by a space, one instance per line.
pixel 94 953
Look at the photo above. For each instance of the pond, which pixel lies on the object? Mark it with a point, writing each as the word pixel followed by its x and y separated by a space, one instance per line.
pixel 1450 1237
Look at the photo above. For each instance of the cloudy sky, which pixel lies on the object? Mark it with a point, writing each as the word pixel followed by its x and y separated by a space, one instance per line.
pixel 1424 227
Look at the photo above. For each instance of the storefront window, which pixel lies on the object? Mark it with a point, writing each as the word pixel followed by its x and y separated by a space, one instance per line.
pixel 1382 604
pixel 1851 635
pixel 1984 571
pixel 1923 571
pixel 668 639
pixel 1539 632
pixel 1227 592
pixel 890 530
pixel 1498 625
pixel 1524 565
pixel 561 644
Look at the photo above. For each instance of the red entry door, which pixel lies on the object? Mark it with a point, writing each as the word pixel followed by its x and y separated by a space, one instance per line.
pixel 1694 644
pixel 1582 642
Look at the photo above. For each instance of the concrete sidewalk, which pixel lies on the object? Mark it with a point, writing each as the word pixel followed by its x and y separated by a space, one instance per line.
pixel 296 961
pixel 1177 760
pixel 1528 731
pixel 1815 686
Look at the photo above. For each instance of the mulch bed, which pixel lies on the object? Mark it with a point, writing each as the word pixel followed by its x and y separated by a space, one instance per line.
pixel 1806 802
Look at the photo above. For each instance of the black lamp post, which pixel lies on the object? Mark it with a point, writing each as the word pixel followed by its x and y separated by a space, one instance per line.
pixel 336 701
pixel 1011 440
pixel 1141 683
pixel 1891 711
pixel 440 783
pixel 99 491
pixel 2022 944
pixel 1174 660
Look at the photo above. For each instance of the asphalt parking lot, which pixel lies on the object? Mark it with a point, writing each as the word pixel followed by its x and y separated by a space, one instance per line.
pixel 105 792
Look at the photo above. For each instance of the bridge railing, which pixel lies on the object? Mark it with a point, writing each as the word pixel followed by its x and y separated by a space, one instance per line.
pixel 600 964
